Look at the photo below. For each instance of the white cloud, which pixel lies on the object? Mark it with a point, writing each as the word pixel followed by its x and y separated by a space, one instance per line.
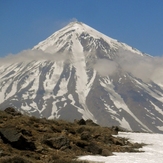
pixel 32 55
pixel 105 67
pixel 146 68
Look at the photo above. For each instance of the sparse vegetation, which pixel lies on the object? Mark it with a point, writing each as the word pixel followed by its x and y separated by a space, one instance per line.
pixel 26 139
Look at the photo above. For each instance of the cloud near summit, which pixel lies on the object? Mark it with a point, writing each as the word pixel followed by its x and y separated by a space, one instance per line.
pixel 144 67
pixel 32 55
pixel 105 67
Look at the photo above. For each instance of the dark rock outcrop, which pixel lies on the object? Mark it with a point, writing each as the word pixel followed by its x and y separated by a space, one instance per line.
pixel 58 142
pixel 11 136
pixel 94 148
pixel 106 152
pixel 81 122
pixel 12 111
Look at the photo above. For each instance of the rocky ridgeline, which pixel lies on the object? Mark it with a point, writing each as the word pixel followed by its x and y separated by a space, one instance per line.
pixel 25 139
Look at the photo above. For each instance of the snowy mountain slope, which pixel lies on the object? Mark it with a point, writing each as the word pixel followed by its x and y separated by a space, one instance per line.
pixel 85 80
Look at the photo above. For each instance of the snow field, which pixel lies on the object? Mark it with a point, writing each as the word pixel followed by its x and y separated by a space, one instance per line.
pixel 153 151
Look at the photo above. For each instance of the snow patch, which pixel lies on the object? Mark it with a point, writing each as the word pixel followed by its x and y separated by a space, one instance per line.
pixel 153 151
pixel 160 128
pixel 157 108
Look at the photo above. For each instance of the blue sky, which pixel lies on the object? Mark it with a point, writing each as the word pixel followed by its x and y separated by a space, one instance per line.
pixel 24 23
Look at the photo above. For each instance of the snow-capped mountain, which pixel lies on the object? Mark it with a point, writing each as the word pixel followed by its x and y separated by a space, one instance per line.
pixel 83 77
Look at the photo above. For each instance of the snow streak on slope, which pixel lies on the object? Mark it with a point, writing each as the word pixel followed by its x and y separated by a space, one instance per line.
pixel 148 89
pixel 51 78
pixel 157 108
pixel 81 87
pixel 118 101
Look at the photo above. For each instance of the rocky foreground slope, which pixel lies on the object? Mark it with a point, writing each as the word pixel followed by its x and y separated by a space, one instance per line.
pixel 26 139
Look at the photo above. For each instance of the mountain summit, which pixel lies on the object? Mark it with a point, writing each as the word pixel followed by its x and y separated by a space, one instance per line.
pixel 87 75
pixel 83 38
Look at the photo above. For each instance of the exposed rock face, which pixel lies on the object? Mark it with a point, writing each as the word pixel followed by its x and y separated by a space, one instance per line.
pixel 26 139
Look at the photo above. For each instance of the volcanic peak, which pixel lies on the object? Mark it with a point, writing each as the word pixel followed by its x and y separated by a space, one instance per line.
pixel 73 31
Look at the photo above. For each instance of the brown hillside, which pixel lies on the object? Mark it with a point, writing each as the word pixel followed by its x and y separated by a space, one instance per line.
pixel 26 139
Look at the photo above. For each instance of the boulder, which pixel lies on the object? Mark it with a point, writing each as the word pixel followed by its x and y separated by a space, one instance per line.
pixel 12 111
pixel 11 136
pixel 85 135
pixel 106 152
pixel 58 142
pixel 94 148
pixel 81 122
